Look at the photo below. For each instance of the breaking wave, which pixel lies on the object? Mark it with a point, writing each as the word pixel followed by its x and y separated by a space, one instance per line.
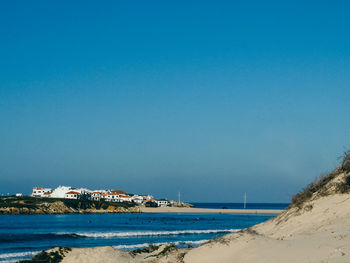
pixel 16 255
pixel 9 238
pixel 153 233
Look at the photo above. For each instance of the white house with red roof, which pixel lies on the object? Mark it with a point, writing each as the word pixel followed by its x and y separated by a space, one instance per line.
pixel 117 192
pixel 147 197
pixel 83 193
pixel 41 192
pixel 72 195
pixel 112 197
pixel 125 198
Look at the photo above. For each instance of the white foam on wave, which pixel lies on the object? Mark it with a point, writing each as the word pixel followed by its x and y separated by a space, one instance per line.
pixel 153 233
pixel 186 242
pixel 17 255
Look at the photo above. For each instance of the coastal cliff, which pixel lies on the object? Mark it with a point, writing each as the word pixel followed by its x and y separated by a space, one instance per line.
pixel 315 228
pixel 37 206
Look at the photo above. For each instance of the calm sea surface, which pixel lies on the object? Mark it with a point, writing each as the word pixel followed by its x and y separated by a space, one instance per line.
pixel 22 236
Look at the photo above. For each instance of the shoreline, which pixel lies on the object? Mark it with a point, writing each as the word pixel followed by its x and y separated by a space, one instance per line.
pixel 192 210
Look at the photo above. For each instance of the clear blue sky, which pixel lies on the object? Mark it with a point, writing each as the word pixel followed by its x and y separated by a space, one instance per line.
pixel 212 98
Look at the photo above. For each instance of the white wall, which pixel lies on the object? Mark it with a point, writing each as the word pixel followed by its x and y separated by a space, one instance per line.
pixel 60 191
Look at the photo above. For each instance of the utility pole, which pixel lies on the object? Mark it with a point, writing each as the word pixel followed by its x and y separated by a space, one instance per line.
pixel 245 200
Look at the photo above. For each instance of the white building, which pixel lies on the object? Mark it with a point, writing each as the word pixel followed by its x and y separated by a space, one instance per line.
pixel 60 192
pixel 72 195
pixel 112 197
pixel 96 195
pixel 82 190
pixel 162 202
pixel 19 194
pixel 137 199
pixel 125 198
pixel 147 197
pixel 41 192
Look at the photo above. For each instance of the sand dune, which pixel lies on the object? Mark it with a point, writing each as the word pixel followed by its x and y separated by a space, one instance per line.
pixel 319 235
pixel 317 230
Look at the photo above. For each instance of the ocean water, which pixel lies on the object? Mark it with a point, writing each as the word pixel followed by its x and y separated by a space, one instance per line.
pixel 22 236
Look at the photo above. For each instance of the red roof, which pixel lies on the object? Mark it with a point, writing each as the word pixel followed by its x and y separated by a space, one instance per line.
pixel 125 196
pixel 38 188
pixel 72 193
pixel 114 193
pixel 117 192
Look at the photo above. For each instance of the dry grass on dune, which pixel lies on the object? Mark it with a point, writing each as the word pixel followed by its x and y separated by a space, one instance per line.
pixel 326 184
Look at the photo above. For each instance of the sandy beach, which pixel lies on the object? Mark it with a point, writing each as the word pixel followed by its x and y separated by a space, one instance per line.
pixel 315 230
pixel 318 235
pixel 209 211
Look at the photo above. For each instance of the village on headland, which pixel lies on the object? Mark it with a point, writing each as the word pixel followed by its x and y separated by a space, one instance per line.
pixel 66 199
pixel 115 196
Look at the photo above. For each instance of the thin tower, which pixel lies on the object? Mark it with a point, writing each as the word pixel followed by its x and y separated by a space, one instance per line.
pixel 245 200
pixel 179 195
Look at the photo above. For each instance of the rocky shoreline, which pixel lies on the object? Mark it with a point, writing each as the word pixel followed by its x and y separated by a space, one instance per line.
pixel 35 206
pixel 26 205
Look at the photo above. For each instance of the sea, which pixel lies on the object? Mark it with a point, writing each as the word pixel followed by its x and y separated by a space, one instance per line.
pixel 23 236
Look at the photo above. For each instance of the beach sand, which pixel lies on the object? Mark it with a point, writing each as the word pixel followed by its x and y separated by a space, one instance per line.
pixel 319 235
pixel 209 211
pixel 315 231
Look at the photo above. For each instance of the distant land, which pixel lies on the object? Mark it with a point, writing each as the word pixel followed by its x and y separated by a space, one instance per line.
pixel 66 199
pixel 36 206
pixel 15 205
